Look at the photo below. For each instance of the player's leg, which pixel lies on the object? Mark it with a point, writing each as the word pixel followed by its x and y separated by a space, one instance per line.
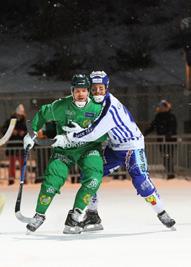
pixel 136 164
pixel 54 178
pixel 93 220
pixel 91 166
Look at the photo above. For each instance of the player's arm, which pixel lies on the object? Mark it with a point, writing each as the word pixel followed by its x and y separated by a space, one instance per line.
pixel 95 130
pixel 98 128
pixel 41 117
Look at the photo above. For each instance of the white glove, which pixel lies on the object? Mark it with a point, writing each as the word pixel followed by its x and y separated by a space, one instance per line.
pixel 70 137
pixel 28 141
pixel 75 128
pixel 61 141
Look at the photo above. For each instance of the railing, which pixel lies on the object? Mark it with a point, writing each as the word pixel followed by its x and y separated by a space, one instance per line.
pixel 174 156
pixel 163 157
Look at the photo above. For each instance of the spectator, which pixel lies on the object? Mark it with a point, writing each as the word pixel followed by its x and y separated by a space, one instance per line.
pixel 19 132
pixel 185 27
pixel 165 124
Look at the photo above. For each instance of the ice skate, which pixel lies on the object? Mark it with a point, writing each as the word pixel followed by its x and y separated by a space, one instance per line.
pixel 166 219
pixel 92 221
pixel 36 222
pixel 72 225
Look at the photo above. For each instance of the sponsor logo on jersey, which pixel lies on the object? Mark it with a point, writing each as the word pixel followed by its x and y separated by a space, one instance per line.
pixel 143 167
pixel 146 185
pixel 87 198
pixel 89 114
pixel 78 135
pixel 73 144
pixel 141 155
pixel 50 190
pixel 61 157
pixel 45 200
pixel 93 184
pixel 151 199
pixel 86 123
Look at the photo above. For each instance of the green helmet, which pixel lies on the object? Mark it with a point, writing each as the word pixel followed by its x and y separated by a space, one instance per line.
pixel 80 81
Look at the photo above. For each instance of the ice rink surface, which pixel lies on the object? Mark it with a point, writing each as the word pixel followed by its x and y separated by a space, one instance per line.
pixel 132 236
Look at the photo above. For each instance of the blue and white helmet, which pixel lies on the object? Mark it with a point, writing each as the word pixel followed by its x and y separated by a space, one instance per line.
pixel 101 77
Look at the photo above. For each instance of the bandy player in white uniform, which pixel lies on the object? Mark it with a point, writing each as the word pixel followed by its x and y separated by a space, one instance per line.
pixel 125 148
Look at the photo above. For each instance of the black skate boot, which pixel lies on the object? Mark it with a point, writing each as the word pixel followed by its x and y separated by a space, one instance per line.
pixel 72 225
pixel 165 219
pixel 36 222
pixel 92 221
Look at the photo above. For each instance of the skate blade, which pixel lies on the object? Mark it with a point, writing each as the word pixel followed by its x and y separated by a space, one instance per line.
pixel 72 230
pixel 93 227
pixel 28 232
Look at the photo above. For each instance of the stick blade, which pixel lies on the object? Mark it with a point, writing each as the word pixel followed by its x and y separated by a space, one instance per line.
pixel 44 142
pixel 22 218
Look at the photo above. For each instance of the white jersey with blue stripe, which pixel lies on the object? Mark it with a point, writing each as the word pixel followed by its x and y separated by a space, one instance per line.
pixel 118 123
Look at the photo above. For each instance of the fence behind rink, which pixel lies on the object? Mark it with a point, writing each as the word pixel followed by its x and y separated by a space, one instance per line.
pixel 157 156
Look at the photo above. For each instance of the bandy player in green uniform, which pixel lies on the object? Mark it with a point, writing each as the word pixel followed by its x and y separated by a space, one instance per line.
pixel 81 109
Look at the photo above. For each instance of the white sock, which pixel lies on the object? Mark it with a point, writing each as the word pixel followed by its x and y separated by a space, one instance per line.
pixel 93 203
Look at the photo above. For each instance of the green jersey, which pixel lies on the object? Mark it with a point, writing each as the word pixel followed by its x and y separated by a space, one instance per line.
pixel 63 111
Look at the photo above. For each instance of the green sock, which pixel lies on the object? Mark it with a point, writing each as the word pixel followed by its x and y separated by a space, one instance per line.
pixel 82 199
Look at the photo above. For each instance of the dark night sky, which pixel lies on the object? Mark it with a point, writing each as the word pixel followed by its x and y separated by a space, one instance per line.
pixel 81 15
pixel 137 41
pixel 131 29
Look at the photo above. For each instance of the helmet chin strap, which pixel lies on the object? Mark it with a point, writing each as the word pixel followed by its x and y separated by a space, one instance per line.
pixel 81 104
pixel 98 98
